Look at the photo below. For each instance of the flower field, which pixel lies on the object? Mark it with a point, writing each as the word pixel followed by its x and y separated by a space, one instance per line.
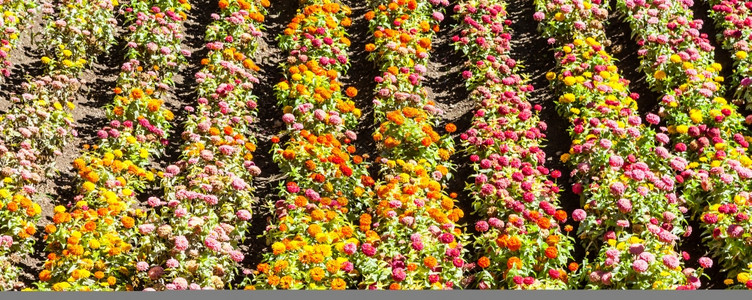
pixel 152 145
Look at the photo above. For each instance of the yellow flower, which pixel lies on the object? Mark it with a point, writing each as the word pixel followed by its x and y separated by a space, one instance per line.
pixel 567 98
pixel 695 115
pixel 46 60
pixel 660 75
pixel 742 277
pixel 741 55
pixel 88 186
pixel 564 157
pixel 569 80
pixel 550 76
pixel 683 129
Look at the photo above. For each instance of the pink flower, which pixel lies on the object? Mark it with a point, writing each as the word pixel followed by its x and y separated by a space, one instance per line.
pixel 368 249
pixel 706 262
pixel 446 238
pixel 640 266
pixel 236 256
pixel 617 188
pixel 172 263
pixel 579 215
pixel 539 16
pixel 244 215
pixel 398 274
pixel 653 119
pixel 670 261
pixel 288 118
pixel 481 226
pixel 350 248
pixel 181 243
pixel 212 244
pixel 142 266
pixel 180 283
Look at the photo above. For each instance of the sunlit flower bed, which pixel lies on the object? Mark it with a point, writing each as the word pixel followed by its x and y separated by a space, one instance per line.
pixel 39 124
pixel 707 131
pixel 631 213
pixel 522 241
pixel 312 235
pixel 412 240
pixel 91 244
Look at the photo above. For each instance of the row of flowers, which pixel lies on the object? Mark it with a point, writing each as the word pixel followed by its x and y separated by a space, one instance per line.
pixel 16 16
pixel 412 239
pixel 733 18
pixel 708 132
pixel 521 240
pixel 39 123
pixel 91 243
pixel 190 239
pixel 631 214
pixel 312 235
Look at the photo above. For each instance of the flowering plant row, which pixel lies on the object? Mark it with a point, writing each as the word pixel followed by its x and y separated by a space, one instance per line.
pixel 734 19
pixel 189 239
pixel 520 241
pixel 91 244
pixel 16 15
pixel 631 212
pixel 312 236
pixel 39 123
pixel 412 240
pixel 708 132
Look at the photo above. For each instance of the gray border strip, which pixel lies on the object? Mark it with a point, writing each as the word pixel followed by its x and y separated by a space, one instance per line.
pixel 386 295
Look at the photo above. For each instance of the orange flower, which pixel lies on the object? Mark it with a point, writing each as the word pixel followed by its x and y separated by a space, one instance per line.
pixel 544 223
pixel 370 47
pixel 351 92
pixel 514 243
pixel 137 93
pixel 560 215
pixel 573 266
pixel 45 275
pixel 514 262
pixel 484 262
pixel 338 284
pixel 450 127
pixel 430 262
pixel 370 15
pixel 317 274
pixel 551 252
pixel 128 222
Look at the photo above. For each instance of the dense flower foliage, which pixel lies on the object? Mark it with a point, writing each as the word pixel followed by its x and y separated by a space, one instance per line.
pixel 631 212
pixel 411 237
pixel 189 240
pixel 708 132
pixel 734 21
pixel 312 236
pixel 91 244
pixel 521 239
pixel 16 16
pixel 40 124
